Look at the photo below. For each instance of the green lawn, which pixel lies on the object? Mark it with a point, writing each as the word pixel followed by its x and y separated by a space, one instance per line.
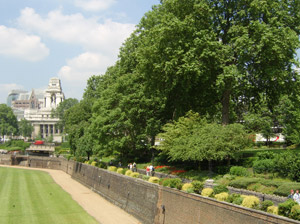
pixel 28 196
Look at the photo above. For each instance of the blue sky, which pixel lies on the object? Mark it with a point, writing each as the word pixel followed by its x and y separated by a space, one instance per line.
pixel 69 39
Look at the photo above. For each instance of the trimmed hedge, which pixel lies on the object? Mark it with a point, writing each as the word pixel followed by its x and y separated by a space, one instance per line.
pixel 285 189
pixel 239 171
pixel 243 182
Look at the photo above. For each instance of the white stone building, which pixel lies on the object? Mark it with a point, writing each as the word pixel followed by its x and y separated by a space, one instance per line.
pixel 39 110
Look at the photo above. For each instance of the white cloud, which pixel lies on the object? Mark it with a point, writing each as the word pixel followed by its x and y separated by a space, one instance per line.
pixel 6 88
pixel 75 74
pixel 91 35
pixel 100 41
pixel 16 43
pixel 94 5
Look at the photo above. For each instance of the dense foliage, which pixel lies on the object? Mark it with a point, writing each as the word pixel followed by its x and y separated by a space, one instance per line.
pixel 8 121
pixel 221 59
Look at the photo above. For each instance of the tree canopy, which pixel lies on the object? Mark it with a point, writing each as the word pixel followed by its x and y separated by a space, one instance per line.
pixel 8 121
pixel 202 53
pixel 25 128
pixel 221 59
pixel 192 138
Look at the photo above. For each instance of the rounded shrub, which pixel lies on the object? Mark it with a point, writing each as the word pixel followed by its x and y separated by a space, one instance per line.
pixel 265 204
pixel 219 189
pixel 102 165
pixel 238 200
pixel 295 212
pixel 250 201
pixel 187 187
pixel 135 174
pixel 273 210
pixel 145 177
pixel 198 186
pixel 128 173
pixel 120 170
pixel 222 196
pixel 232 197
pixel 286 207
pixel 239 171
pixel 154 180
pixel 243 182
pixel 172 182
pixel 207 192
pixel 94 163
pixel 112 168
pixel 263 166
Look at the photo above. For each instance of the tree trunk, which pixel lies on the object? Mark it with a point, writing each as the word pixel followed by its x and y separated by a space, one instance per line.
pixel 225 106
pixel 209 167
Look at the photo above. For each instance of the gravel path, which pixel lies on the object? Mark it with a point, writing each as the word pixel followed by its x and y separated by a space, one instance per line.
pixel 102 210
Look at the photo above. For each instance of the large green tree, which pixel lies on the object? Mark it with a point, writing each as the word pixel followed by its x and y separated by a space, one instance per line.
pixel 59 112
pixel 25 128
pixel 203 54
pixel 8 121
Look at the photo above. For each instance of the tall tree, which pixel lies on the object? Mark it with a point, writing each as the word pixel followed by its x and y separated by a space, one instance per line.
pixel 201 53
pixel 25 128
pixel 8 121
pixel 59 112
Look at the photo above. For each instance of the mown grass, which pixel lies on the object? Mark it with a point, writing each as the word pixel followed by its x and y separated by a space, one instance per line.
pixel 33 197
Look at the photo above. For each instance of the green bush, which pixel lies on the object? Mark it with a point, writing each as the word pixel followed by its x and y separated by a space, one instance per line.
pixel 128 173
pixel 239 171
pixel 285 207
pixel 154 180
pixel 135 175
pixel 248 162
pixel 265 204
pixel 238 200
pixel 251 202
pixel 243 182
pixel 222 196
pixel 172 182
pixel 229 177
pixel 112 168
pixel 102 165
pixel 207 192
pixel 285 188
pixel 120 170
pixel 188 187
pixel 219 189
pixel 233 197
pixel 263 166
pixel 145 177
pixel 295 212
pixel 273 210
pixel 94 163
pixel 198 186
pixel 265 155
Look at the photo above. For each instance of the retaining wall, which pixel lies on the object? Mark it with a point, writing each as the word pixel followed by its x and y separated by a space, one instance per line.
pixel 151 203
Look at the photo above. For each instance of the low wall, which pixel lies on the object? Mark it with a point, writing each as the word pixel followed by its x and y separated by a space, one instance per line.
pixel 263 197
pixel 151 203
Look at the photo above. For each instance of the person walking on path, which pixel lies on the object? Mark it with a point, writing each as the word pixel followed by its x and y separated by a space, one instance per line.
pixel 296 197
pixel 134 167
pixel 291 195
pixel 148 171
pixel 151 169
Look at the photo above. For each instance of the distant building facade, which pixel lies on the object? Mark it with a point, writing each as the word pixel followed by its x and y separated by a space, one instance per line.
pixel 37 107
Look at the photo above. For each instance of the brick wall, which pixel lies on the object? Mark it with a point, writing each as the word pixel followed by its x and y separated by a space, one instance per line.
pixel 151 203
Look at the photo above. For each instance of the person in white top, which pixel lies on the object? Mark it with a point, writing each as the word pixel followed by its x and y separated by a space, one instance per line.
pixel 296 197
